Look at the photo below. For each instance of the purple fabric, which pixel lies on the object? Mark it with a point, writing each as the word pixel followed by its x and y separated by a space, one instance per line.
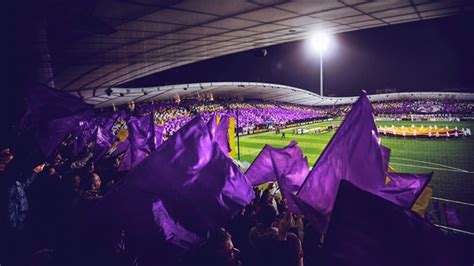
pixel 404 188
pixel 110 121
pixel 83 134
pixel 222 134
pixel 140 135
pixel 174 232
pixel 46 104
pixel 368 230
pixel 353 154
pixel 103 141
pixel 291 168
pixel 121 147
pixel 192 186
pixel 49 134
pixel 261 170
pixel 158 136
pixel 52 115
pixel 452 218
pixel 212 125
pixel 286 165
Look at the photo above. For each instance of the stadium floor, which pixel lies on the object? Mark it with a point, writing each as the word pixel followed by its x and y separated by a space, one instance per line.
pixel 451 161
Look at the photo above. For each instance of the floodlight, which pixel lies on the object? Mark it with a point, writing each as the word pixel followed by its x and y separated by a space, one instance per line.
pixel 320 41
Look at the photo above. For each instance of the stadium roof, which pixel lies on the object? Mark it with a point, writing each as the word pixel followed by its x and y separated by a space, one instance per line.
pixel 249 90
pixel 118 41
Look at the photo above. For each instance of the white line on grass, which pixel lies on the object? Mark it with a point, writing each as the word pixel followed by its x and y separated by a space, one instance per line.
pixel 443 165
pixel 454 229
pixel 434 168
pixel 251 153
pixel 453 201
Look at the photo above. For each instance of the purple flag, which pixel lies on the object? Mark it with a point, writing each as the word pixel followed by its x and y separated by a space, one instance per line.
pixel 173 231
pixel 49 134
pixel 286 165
pixel 140 132
pixel 187 187
pixel 452 218
pixel 82 135
pixel 121 147
pixel 290 168
pixel 368 230
pixel 353 154
pixel 404 188
pixel 111 120
pixel 52 115
pixel 220 132
pixel 103 141
pixel 46 104
pixel 261 170
pixel 212 125
pixel 158 135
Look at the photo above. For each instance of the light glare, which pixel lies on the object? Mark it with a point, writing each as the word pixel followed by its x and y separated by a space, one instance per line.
pixel 320 41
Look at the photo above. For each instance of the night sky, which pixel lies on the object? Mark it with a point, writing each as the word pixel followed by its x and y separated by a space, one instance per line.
pixel 431 55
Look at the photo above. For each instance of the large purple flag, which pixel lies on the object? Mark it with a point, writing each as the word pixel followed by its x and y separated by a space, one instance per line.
pixel 187 187
pixel 404 188
pixel 140 136
pixel 261 170
pixel 286 165
pixel 52 115
pixel 49 134
pixel 212 125
pixel 222 134
pixel 111 120
pixel 103 141
pixel 219 131
pixel 47 104
pixel 290 168
pixel 158 135
pixel 367 230
pixel 83 134
pixel 353 154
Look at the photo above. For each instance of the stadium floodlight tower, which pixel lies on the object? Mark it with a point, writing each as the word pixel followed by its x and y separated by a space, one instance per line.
pixel 320 42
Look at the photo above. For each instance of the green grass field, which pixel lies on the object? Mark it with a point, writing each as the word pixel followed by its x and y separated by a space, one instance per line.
pixel 452 161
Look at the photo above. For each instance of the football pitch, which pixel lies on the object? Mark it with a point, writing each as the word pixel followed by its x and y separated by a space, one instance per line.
pixel 451 161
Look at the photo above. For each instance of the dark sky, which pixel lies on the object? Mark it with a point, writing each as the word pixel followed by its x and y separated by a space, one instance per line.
pixel 428 55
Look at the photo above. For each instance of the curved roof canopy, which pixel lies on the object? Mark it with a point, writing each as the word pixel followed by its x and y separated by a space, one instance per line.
pixel 250 90
pixel 112 42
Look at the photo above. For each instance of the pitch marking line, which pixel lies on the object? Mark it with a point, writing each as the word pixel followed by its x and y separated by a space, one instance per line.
pixel 445 167
pixel 454 229
pixel 433 168
pixel 425 162
pixel 454 201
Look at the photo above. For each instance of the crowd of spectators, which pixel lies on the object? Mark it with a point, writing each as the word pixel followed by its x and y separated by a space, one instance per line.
pixel 250 114
pixel 42 202
pixel 254 113
pixel 404 108
pixel 45 203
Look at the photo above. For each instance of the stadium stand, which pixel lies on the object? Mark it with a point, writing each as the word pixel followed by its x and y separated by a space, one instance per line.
pixel 260 114
pixel 81 177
